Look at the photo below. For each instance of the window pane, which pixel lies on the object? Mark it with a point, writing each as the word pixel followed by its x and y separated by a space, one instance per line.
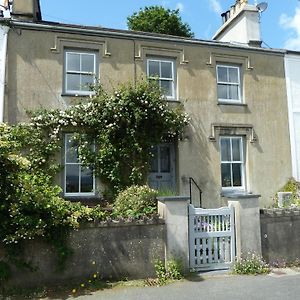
pixel 222 91
pixel 165 159
pixel 154 160
pixel 73 62
pixel 71 150
pixel 236 150
pixel 225 149
pixel 222 74
pixel 73 82
pixel 226 175
pixel 167 87
pixel 153 68
pixel 233 92
pixel 166 70
pixel 237 174
pixel 86 180
pixel 72 178
pixel 87 63
pixel 86 81
pixel 233 75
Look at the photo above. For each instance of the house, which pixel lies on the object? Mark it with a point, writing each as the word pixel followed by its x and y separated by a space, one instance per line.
pixel 234 92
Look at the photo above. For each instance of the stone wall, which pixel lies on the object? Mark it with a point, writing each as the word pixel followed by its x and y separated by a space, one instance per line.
pixel 114 250
pixel 280 234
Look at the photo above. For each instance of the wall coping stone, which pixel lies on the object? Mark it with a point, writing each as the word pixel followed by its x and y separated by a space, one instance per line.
pixel 155 220
pixel 277 212
pixel 172 198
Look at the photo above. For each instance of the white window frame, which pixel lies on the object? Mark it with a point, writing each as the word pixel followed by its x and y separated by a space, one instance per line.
pixel 79 72
pixel 173 79
pixel 238 84
pixel 66 138
pixel 231 162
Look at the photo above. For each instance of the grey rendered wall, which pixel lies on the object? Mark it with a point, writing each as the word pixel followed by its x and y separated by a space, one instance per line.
pixel 118 251
pixel 280 234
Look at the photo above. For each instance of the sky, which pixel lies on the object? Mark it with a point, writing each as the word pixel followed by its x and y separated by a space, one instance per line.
pixel 280 22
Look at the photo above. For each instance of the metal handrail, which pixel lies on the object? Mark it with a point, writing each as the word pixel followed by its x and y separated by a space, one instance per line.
pixel 192 181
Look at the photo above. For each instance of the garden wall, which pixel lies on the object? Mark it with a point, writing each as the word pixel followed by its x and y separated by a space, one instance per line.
pixel 280 234
pixel 114 250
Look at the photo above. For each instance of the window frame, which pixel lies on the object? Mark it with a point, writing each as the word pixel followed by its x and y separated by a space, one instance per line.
pixel 95 72
pixel 228 84
pixel 173 79
pixel 232 188
pixel 77 194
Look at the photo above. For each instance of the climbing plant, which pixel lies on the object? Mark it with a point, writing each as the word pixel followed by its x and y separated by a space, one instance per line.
pixel 122 126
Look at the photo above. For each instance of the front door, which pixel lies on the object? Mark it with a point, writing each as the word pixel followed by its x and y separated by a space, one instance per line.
pixel 162 167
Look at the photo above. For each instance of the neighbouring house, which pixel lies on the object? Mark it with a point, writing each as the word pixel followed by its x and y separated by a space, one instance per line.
pixel 233 90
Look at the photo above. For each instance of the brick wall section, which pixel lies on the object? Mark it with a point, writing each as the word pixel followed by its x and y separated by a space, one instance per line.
pixel 119 250
pixel 280 232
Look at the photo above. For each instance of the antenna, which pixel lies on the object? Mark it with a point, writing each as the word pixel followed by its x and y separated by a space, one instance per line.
pixel 262 6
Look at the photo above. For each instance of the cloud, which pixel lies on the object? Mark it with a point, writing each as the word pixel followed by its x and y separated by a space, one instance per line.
pixel 215 6
pixel 292 24
pixel 180 6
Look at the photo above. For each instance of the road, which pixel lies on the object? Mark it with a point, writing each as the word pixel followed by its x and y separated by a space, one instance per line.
pixel 266 287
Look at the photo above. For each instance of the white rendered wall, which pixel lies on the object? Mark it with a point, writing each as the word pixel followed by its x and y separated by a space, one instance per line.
pixel 292 67
pixel 3 47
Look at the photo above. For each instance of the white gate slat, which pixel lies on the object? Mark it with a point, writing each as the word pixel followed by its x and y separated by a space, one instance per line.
pixel 212 240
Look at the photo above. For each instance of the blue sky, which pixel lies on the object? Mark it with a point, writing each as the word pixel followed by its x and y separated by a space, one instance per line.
pixel 280 22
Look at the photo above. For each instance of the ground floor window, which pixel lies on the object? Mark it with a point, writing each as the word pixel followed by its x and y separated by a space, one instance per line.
pixel 78 179
pixel 232 162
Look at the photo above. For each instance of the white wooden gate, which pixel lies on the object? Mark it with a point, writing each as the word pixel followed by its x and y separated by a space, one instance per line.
pixel 211 238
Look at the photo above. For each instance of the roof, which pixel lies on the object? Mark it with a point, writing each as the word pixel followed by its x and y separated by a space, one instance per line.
pixel 120 33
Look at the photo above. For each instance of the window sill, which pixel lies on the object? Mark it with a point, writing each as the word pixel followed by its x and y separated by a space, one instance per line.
pixel 76 95
pixel 232 104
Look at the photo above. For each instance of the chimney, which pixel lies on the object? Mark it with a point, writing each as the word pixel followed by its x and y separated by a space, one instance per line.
pixel 27 10
pixel 241 24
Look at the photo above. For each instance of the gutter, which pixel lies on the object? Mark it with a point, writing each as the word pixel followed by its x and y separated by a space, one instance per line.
pixel 3 50
pixel 118 33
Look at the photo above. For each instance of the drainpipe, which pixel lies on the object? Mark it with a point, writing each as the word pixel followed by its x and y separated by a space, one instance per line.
pixel 3 49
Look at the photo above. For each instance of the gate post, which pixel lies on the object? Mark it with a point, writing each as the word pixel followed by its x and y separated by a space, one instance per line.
pixel 174 210
pixel 247 223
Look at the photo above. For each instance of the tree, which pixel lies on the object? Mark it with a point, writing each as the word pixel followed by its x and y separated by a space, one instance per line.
pixel 159 20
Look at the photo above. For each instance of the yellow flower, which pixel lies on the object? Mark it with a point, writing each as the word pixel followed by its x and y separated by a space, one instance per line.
pixel 74 291
pixel 95 275
pixel 93 263
pixel 82 285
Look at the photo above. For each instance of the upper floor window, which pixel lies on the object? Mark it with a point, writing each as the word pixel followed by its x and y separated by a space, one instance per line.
pixel 232 163
pixel 163 71
pixel 229 84
pixel 79 180
pixel 80 72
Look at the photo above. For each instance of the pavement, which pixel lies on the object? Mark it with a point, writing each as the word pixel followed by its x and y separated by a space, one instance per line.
pixel 283 284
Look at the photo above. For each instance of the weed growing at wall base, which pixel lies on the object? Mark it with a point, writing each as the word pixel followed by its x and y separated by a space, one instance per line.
pixel 251 264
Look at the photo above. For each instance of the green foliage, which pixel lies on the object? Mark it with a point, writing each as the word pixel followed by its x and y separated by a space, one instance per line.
pixel 252 264
pixel 5 272
pixel 136 201
pixel 292 186
pixel 170 271
pixel 159 20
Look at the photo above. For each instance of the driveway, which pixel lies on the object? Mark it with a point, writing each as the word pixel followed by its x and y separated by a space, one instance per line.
pixel 284 285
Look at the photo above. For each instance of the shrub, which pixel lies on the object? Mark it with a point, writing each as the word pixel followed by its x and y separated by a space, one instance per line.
pixel 135 201
pixel 252 264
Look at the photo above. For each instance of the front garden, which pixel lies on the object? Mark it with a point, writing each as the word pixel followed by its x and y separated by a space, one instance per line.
pixel 121 125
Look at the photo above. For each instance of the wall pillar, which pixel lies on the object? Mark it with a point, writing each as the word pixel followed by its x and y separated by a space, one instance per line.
pixel 174 210
pixel 247 223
